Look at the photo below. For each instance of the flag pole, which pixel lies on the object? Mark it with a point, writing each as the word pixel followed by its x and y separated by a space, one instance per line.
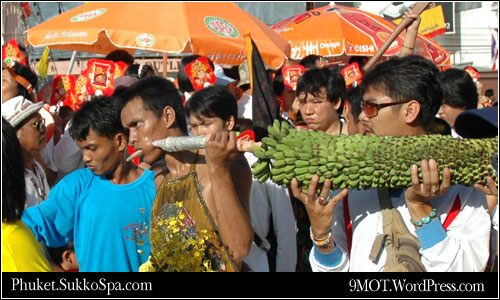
pixel 248 43
pixel 417 9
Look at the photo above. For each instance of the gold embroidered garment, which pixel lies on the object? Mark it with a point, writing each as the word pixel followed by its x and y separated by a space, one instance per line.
pixel 186 189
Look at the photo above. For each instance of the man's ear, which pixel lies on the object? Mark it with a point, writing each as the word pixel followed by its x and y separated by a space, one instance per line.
pixel 66 256
pixel 230 124
pixel 121 140
pixel 336 106
pixel 412 111
pixel 347 108
pixel 169 116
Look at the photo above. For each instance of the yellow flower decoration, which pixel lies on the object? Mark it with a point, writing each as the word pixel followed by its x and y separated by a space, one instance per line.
pixel 175 248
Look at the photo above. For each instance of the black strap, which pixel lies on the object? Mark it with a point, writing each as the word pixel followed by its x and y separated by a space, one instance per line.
pixel 257 240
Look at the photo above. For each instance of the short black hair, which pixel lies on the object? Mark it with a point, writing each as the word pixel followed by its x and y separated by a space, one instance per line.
pixel 13 182
pixel 355 98
pixel 245 86
pixel 214 101
pixel 157 93
pixel 56 253
pixel 407 78
pixel 27 74
pixel 183 80
pixel 458 88
pixel 310 61
pixel 21 47
pixel 232 73
pixel 488 93
pixel 438 126
pixel 243 124
pixel 133 71
pixel 101 114
pixel 312 80
pixel 120 55
pixel 359 59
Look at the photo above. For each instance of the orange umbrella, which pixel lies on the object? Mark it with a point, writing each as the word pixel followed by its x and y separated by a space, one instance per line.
pixel 337 30
pixel 204 28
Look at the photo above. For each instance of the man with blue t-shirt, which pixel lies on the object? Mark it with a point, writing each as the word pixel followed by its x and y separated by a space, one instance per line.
pixel 106 207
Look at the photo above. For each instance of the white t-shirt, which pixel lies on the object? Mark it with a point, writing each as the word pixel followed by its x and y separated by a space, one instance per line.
pixel 269 199
pixel 245 107
pixel 37 187
pixel 494 219
pixel 67 155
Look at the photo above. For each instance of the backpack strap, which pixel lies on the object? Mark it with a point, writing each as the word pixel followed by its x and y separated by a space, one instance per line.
pixel 455 209
pixel 348 224
pixel 386 209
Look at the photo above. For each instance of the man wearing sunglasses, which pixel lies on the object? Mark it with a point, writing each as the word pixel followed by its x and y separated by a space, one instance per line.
pixel 401 97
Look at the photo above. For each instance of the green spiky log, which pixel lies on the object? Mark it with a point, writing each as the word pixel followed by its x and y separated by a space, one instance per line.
pixel 365 162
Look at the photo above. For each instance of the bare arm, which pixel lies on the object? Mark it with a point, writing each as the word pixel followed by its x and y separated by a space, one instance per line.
pixel 232 220
pixel 320 214
pixel 241 175
pixel 411 33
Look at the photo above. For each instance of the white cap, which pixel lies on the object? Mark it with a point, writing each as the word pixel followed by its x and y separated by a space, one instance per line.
pixel 222 79
pixel 18 109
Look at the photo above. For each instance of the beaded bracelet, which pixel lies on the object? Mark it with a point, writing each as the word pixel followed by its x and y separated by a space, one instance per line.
pixel 425 220
pixel 320 242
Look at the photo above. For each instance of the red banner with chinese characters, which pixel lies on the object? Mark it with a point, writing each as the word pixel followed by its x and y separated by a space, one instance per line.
pixel 100 75
pixel 352 74
pixel 200 73
pixel 120 68
pixel 291 76
pixel 80 93
pixel 62 87
pixel 12 53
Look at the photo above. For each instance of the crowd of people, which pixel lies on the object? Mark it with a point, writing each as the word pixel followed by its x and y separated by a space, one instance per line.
pixel 79 203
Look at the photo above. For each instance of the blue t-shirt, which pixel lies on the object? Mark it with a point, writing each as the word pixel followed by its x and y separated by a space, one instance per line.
pixel 109 223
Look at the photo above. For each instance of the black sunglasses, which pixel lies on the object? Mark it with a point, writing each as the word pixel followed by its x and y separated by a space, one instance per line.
pixel 371 109
pixel 39 124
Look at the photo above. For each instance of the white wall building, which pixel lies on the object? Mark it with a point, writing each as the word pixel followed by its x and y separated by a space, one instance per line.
pixel 471 42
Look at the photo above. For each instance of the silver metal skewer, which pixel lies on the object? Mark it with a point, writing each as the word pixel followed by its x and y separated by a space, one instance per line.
pixel 136 153
pixel 182 143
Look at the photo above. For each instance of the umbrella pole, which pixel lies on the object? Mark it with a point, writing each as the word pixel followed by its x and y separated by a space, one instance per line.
pixel 165 59
pixel 71 62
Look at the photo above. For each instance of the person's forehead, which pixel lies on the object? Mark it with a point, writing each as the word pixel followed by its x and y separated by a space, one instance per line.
pixel 134 110
pixel 196 119
pixel 135 103
pixel 311 94
pixel 93 138
pixel 375 95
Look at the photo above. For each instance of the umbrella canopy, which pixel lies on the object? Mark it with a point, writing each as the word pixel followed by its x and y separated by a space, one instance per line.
pixel 337 30
pixel 204 28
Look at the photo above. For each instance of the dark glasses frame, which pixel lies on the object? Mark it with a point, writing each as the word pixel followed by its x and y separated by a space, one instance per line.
pixel 371 109
pixel 39 124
